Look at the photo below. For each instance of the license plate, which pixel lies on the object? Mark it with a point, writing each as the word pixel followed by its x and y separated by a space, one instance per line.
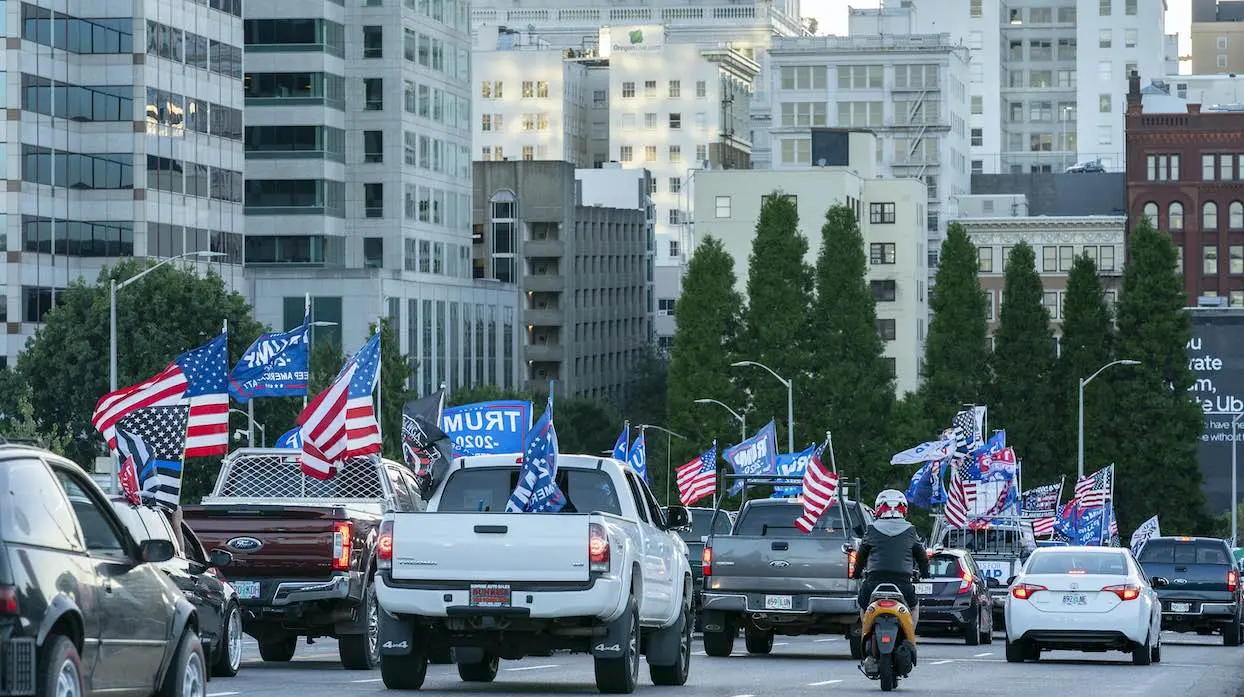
pixel 779 602
pixel 924 589
pixel 490 595
pixel 1181 607
pixel 247 590
pixel 1075 599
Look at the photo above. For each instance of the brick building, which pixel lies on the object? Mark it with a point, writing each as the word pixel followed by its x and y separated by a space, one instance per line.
pixel 1185 171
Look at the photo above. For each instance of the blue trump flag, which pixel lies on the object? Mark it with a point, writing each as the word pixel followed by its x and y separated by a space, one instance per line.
pixel 487 428
pixel 926 487
pixel 624 438
pixel 276 365
pixel 291 439
pixel 638 457
pixel 793 465
pixel 537 490
pixel 756 455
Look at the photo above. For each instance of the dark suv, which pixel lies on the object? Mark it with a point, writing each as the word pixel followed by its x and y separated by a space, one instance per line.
pixel 84 608
pixel 1198 584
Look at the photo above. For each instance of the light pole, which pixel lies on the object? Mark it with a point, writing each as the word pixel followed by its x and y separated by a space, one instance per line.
pixel 1235 508
pixel 251 425
pixel 1083 382
pixel 742 419
pixel 669 436
pixel 790 401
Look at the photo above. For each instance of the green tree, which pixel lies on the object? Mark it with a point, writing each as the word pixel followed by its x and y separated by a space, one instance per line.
pixel 1157 425
pixel 1087 344
pixel 1023 363
pixel 852 384
pixel 956 355
pixel 709 322
pixel 324 362
pixel 779 287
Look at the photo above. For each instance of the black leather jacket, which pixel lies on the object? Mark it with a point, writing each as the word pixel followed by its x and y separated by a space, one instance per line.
pixel 891 547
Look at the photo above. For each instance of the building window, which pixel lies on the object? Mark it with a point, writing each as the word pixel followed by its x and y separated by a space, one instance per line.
pixel 882 253
pixel 1175 216
pixel 675 121
pixel 1049 300
pixel 881 213
pixel 650 153
pixel 1129 38
pixel 1150 211
pixel 1104 103
pixel 1208 168
pixel 675 89
pixel 373 252
pixel 373 200
pixel 1104 38
pixel 1106 262
pixel 984 259
pixel 887 328
pixel 1209 216
pixel 373 146
pixel 626 153
pixel 978 104
pixel 1235 255
pixel 628 90
pixel 722 206
pixel 373 94
pixel 1066 256
pixel 674 249
pixel 665 307
pixel 1103 8
pixel 1209 260
pixel 1235 216
pixel 884 291
pixel 978 137
pixel 675 185
pixel 1049 259
pixel 373 42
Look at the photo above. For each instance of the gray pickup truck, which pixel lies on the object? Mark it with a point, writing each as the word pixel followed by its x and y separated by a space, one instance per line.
pixel 767 577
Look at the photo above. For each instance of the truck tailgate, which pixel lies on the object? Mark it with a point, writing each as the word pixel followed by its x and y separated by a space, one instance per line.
pixel 803 564
pixel 294 541
pixel 490 547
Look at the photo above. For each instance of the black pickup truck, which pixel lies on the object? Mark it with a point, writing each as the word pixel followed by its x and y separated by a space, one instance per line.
pixel 1198 585
pixel 703 524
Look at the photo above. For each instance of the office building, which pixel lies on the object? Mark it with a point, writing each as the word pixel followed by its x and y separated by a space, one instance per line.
pixel 1217 36
pixel 123 138
pixel 381 227
pixel 891 211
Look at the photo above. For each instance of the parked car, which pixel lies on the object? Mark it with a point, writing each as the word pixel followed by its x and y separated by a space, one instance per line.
pixel 84 606
pixel 198 576
pixel 1089 167
pixel 955 599
pixel 607 575
pixel 303 549
pixel 703 524
pixel 1083 599
pixel 1202 591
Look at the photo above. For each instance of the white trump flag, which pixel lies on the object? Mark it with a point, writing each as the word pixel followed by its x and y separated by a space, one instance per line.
pixel 1147 530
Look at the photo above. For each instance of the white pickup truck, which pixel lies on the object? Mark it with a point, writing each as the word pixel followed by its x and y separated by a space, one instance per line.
pixel 608 575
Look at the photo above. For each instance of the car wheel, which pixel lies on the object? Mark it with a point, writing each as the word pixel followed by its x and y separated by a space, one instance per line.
pixel 987 633
pixel 619 676
pixel 855 643
pixel 972 635
pixel 720 644
pixel 676 674
pixel 759 642
pixel 1016 652
pixel 362 651
pixel 1142 654
pixel 229 655
pixel 279 650
pixel 405 672
pixel 1231 634
pixel 1156 655
pixel 60 669
pixel 484 671
pixel 187 675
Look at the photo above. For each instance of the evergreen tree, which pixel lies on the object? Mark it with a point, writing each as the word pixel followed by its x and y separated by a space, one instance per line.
pixel 709 321
pixel 1087 344
pixel 1157 425
pixel 779 285
pixel 956 355
pixel 852 384
pixel 1023 363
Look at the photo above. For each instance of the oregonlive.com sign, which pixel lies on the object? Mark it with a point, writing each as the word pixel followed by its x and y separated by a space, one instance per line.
pixel 1216 358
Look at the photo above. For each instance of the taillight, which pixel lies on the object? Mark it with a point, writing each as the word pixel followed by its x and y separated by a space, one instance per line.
pixel 8 600
pixel 886 603
pixel 965 581
pixel 343 542
pixel 384 546
pixel 706 558
pixel 851 564
pixel 1024 591
pixel 1233 580
pixel 1125 591
pixel 597 548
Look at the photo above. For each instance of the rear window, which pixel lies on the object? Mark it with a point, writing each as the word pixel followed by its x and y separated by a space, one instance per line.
pixel 1185 552
pixel 944 566
pixel 989 541
pixel 700 520
pixel 778 520
pixel 1109 563
pixel 488 489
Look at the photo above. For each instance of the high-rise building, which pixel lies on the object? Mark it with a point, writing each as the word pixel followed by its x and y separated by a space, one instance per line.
pixel 1217 36
pixel 358 183
pixel 125 134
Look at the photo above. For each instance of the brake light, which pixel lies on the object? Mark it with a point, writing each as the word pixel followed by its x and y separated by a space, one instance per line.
pixel 706 558
pixel 1076 572
pixel 343 543
pixel 384 546
pixel 8 600
pixel 1233 580
pixel 886 603
pixel 1024 591
pixel 597 548
pixel 965 581
pixel 851 564
pixel 1125 591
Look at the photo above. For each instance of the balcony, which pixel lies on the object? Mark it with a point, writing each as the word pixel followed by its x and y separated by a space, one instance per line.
pixel 544 248
pixel 544 283
pixel 544 353
pixel 544 317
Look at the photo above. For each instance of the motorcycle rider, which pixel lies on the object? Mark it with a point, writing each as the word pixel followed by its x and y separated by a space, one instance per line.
pixel 888 553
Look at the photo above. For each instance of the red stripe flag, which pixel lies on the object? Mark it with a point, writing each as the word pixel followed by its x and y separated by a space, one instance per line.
pixel 1043 526
pixel 698 478
pixel 820 487
pixel 323 428
pixel 959 500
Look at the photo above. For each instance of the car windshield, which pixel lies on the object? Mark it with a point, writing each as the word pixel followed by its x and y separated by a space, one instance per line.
pixel 777 520
pixel 487 489
pixel 700 520
pixel 1088 562
pixel 944 566
pixel 1184 552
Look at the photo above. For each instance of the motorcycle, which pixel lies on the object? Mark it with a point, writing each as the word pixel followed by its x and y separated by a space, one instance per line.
pixel 888 634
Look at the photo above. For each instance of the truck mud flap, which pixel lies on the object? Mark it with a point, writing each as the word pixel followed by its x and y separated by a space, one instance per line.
pixel 662 646
pixel 714 621
pixel 397 635
pixel 617 635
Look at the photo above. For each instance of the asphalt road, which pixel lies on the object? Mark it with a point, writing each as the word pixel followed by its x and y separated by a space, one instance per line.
pixel 1191 665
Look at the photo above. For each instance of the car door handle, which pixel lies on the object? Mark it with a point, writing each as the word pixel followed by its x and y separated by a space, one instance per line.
pixel 779 546
pixel 107 585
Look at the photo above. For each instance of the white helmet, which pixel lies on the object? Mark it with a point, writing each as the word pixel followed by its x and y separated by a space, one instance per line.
pixel 891 503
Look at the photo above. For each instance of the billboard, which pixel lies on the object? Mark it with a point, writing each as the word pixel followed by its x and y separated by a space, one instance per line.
pixel 626 39
pixel 1216 357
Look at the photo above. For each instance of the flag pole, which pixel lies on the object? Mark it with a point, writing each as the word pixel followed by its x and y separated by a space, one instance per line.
pixel 829 443
pixel 716 469
pixel 669 466
pixel 250 423
pixel 306 319
pixel 379 383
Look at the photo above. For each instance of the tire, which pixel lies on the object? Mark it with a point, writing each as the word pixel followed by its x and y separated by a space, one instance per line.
pixel 442 656
pixel 889 680
pixel 759 642
pixel 362 651
pixel 405 672
pixel 987 636
pixel 1231 634
pixel 972 635
pixel 59 661
pixel 855 644
pixel 676 675
pixel 720 644
pixel 187 674
pixel 1142 654
pixel 484 671
pixel 278 650
pixel 1016 652
pixel 1156 654
pixel 619 676
pixel 229 653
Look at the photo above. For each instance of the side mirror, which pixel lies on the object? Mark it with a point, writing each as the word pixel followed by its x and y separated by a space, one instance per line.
pixel 677 518
pixel 219 558
pixel 156 551
pixel 1011 580
pixel 1159 582
pixel 991 582
pixel 847 549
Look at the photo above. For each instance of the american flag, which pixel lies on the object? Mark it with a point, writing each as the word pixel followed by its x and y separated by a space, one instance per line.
pixel 698 478
pixel 153 440
pixel 1041 499
pixel 194 380
pixel 1094 490
pixel 323 428
pixel 820 487
pixel 1043 526
pixel 960 499
pixel 968 426
pixel 362 431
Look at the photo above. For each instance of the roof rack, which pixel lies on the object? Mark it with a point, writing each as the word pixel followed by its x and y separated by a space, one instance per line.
pixel 9 440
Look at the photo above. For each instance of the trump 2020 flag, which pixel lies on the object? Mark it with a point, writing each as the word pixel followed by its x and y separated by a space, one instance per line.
pixel 932 450
pixel 1147 531
pixel 291 439
pixel 619 446
pixel 537 490
pixel 755 456
pixel 638 457
pixel 274 366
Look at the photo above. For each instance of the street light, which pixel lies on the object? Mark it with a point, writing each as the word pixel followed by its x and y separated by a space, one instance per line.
pixel 1083 382
pixel 251 425
pixel 1235 508
pixel 669 446
pixel 790 401
pixel 741 418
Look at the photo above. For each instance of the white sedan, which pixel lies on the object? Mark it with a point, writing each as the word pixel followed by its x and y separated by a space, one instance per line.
pixel 1082 599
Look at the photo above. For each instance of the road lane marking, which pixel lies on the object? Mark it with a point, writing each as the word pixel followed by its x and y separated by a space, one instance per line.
pixel 353 681
pixel 745 696
pixel 944 662
pixel 782 643
pixel 222 694
pixel 530 668
pixel 982 655
pixel 823 682
pixel 832 638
